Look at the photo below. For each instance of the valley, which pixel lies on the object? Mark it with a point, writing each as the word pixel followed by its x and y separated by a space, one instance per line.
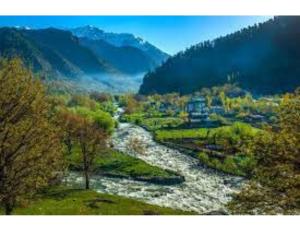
pixel 99 122
pixel 204 190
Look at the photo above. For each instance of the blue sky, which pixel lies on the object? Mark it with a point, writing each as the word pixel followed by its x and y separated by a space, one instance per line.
pixel 169 33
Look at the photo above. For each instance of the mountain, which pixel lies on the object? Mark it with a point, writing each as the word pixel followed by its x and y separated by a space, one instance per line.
pixel 52 52
pixel 62 60
pixel 264 59
pixel 127 59
pixel 152 56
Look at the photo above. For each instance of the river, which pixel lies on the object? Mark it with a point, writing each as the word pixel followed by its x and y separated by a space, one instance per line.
pixel 204 190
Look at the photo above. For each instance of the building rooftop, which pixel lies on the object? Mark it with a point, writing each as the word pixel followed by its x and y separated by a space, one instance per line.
pixel 197 99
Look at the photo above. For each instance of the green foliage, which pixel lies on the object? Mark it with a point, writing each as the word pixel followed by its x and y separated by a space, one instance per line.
pixel 230 139
pixel 274 188
pixel 240 165
pixel 31 152
pixel 101 118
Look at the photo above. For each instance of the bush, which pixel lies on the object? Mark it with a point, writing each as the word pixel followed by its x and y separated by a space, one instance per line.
pixel 203 157
pixel 229 165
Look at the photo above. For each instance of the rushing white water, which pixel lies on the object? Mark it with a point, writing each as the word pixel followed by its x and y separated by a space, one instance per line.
pixel 204 189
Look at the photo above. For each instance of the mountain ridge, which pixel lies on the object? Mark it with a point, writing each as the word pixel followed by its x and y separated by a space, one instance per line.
pixel 121 40
pixel 57 54
pixel 264 59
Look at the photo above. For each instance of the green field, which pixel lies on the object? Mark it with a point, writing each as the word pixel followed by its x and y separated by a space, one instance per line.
pixel 229 139
pixel 68 201
pixel 116 163
pixel 232 131
pixel 152 123
pixel 181 133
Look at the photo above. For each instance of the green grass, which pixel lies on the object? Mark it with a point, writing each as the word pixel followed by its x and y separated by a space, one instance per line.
pixel 152 123
pixel 117 163
pixel 68 201
pixel 240 165
pixel 181 133
pixel 236 129
pixel 229 139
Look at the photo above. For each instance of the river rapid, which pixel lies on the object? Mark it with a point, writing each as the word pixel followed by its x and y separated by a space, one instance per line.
pixel 205 190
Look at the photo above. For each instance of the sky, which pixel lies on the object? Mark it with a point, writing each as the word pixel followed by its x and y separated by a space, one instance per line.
pixel 169 33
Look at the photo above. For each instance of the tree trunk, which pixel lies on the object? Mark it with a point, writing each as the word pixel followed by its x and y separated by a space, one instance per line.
pixel 68 143
pixel 87 180
pixel 8 208
pixel 85 167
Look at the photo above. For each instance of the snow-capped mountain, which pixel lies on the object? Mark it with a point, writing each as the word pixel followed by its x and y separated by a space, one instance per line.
pixel 121 40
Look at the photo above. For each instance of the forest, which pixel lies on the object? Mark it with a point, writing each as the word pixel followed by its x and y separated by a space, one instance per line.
pixel 263 59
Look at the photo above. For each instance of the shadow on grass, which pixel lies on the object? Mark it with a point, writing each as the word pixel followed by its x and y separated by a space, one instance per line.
pixel 58 193
pixel 96 203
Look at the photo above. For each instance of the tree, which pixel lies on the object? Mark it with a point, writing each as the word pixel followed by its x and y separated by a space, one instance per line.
pixel 136 145
pixel 184 116
pixel 92 139
pixel 276 182
pixel 131 104
pixel 30 149
pixel 67 122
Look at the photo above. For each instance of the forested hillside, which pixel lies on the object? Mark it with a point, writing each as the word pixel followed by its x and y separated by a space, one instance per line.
pixel 127 59
pixel 51 51
pixel 120 40
pixel 264 59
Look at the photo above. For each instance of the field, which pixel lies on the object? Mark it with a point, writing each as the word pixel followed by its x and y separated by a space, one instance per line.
pixel 153 123
pixel 69 201
pixel 114 163
pixel 219 148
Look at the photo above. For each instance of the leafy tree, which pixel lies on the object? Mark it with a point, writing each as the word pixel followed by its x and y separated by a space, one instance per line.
pixel 102 119
pixel 92 140
pixel 276 182
pixel 131 104
pixel 30 150
pixel 66 122
pixel 100 97
pixel 184 116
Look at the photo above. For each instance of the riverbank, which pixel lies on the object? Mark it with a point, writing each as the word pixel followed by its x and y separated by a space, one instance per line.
pixel 115 164
pixel 204 190
pixel 74 201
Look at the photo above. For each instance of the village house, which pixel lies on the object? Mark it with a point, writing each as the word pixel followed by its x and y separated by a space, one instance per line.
pixel 219 110
pixel 197 110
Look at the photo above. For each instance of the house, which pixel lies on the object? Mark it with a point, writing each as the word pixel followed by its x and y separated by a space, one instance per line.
pixel 217 110
pixel 197 110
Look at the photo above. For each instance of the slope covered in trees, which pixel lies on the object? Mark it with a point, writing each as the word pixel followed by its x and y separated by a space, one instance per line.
pixel 264 59
pixel 127 59
pixel 50 51
pixel 120 40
